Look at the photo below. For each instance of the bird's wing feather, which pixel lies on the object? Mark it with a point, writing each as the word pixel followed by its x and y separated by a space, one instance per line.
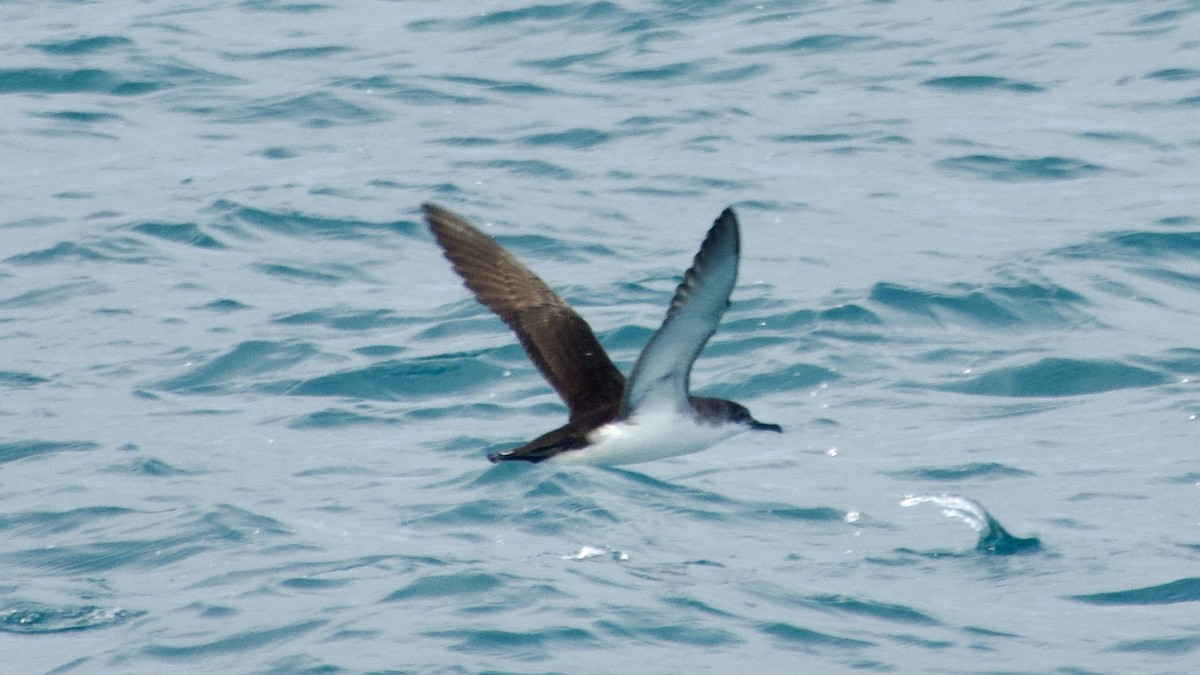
pixel 558 341
pixel 661 374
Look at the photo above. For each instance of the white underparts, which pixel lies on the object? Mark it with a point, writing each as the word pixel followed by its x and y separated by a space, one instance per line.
pixel 648 436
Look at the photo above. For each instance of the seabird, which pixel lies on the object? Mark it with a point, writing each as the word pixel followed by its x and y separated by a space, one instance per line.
pixel 611 421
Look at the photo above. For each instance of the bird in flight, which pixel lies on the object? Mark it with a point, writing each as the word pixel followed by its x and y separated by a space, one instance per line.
pixel 611 420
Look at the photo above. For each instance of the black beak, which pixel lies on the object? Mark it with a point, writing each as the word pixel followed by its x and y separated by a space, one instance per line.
pixel 763 426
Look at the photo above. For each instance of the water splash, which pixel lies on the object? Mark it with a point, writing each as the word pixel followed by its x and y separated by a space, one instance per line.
pixel 993 538
pixel 592 552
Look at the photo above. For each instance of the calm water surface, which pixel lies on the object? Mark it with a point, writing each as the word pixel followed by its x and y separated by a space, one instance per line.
pixel 244 402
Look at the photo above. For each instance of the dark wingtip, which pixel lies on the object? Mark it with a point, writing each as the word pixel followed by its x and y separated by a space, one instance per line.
pixel 432 211
pixel 493 458
pixel 725 226
pixel 727 219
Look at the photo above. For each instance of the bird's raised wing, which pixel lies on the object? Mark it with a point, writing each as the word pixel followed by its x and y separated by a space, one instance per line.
pixel 661 374
pixel 558 341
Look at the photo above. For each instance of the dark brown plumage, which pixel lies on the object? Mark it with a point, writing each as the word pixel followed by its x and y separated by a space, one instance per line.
pixel 559 342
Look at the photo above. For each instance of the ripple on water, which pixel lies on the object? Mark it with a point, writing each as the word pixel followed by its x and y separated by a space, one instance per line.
pixel 962 472
pixel 1175 74
pixel 398 380
pixel 819 42
pixel 119 249
pixel 1160 646
pixel 244 220
pixel 11 378
pixel 448 585
pixel 345 318
pixel 34 618
pixel 994 305
pixel 72 81
pixel 1013 169
pixel 192 534
pixel 1145 245
pixel 971 83
pixel 532 168
pixel 40 523
pixel 411 93
pixel 570 138
pixel 1059 377
pixel 15 450
pixel 180 233
pixel 337 418
pixel 231 371
pixel 87 45
pixel 791 636
pixel 1180 590
pixel 317 110
pixel 242 642
pixel 533 644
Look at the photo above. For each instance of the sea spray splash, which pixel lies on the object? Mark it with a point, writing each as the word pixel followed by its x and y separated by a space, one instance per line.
pixel 993 538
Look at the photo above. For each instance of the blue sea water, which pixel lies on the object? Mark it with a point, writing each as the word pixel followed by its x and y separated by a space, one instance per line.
pixel 245 403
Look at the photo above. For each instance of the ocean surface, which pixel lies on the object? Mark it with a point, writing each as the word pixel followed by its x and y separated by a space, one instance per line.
pixel 245 403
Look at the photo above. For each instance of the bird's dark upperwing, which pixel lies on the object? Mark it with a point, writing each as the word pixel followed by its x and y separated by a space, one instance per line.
pixel 558 341
pixel 660 376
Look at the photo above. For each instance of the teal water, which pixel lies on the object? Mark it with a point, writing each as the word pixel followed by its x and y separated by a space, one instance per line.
pixel 245 403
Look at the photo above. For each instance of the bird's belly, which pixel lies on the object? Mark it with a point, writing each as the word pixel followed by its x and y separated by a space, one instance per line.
pixel 647 438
